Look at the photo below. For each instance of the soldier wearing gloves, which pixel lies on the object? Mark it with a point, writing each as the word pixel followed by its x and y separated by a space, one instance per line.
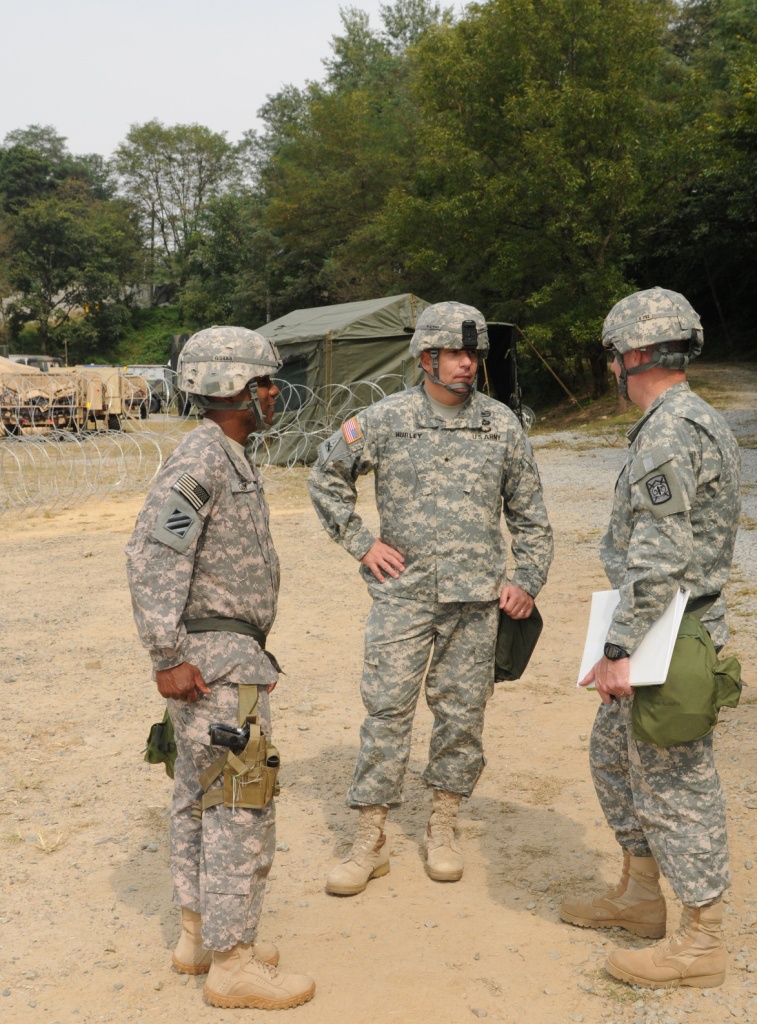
pixel 204 580
pixel 447 461
pixel 674 521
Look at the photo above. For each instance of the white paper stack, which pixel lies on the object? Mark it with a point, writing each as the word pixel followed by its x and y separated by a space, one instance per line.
pixel 650 662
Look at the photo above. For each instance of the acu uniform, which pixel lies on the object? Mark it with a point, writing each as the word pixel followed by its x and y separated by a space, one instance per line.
pixel 441 487
pixel 202 548
pixel 674 522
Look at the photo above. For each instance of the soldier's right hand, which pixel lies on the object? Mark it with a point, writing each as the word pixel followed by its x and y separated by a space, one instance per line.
pixel 382 557
pixel 182 682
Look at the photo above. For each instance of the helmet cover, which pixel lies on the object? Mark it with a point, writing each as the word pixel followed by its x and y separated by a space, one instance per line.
pixel 654 317
pixel 450 325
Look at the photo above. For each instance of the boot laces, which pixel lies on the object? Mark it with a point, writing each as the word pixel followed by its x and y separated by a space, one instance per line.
pixel 442 825
pixel 367 837
pixel 261 967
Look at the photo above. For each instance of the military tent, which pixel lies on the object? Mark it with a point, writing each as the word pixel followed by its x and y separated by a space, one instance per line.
pixel 352 341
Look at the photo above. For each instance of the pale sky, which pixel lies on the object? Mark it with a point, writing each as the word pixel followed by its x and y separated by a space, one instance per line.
pixel 91 68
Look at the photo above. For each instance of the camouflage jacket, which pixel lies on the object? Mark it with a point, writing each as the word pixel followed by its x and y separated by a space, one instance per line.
pixel 201 547
pixel 440 490
pixel 675 515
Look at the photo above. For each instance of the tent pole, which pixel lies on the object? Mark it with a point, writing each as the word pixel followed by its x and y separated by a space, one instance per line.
pixel 329 371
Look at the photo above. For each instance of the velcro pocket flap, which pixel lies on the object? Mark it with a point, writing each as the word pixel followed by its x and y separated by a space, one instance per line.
pixel 648 462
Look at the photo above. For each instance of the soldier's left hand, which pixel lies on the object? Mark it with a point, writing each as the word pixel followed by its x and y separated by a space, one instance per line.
pixel 516 602
pixel 610 679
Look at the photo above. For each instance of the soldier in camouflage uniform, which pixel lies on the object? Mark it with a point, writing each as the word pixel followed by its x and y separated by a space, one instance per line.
pixel 202 550
pixel 674 521
pixel 446 461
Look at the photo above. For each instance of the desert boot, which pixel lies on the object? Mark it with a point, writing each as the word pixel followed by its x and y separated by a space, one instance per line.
pixel 444 859
pixel 368 858
pixel 238 978
pixel 694 955
pixel 636 903
pixel 191 957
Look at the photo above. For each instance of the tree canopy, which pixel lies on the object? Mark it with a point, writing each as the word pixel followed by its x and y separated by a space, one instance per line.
pixel 536 158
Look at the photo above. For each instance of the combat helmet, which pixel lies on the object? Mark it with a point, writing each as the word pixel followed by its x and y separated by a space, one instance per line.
pixel 656 318
pixel 219 361
pixel 449 325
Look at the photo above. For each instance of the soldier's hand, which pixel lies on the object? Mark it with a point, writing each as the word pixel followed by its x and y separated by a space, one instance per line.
pixel 182 682
pixel 383 558
pixel 516 603
pixel 610 679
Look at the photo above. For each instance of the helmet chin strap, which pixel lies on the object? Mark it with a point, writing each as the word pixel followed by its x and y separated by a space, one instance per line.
pixel 660 357
pixel 213 404
pixel 460 390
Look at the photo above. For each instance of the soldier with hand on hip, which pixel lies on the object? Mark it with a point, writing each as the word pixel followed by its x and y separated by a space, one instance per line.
pixel 447 462
pixel 204 580
pixel 674 520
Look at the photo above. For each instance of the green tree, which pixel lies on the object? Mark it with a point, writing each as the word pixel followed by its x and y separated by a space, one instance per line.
pixel 171 174
pixel 331 154
pixel 701 243
pixel 549 137
pixel 235 268
pixel 70 256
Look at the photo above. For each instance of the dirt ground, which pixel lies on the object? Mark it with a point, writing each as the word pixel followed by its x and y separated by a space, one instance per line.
pixel 86 919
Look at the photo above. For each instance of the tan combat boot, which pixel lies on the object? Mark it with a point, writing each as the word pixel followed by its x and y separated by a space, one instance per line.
pixel 636 903
pixel 444 860
pixel 694 955
pixel 239 979
pixel 191 957
pixel 368 858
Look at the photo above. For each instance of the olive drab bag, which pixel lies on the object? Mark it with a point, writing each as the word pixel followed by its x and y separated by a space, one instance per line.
pixel 161 745
pixel 686 706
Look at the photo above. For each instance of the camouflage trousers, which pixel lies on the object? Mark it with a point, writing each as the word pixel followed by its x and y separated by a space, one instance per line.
pixel 404 638
pixel 219 865
pixel 663 801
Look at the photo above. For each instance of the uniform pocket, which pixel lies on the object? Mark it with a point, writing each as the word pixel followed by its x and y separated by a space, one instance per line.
pixel 229 885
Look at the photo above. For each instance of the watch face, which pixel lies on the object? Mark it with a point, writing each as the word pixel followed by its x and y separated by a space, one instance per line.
pixel 614 653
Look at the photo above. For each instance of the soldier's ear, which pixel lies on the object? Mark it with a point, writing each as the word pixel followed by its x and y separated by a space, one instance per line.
pixel 425 358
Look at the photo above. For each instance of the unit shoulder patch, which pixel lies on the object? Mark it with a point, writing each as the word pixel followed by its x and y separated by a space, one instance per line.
pixel 659 489
pixel 178 522
pixel 192 490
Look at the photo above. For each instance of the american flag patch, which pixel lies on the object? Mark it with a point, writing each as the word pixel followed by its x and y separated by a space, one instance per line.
pixel 192 490
pixel 351 431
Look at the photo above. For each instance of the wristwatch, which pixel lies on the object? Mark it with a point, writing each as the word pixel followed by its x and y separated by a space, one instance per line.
pixel 615 653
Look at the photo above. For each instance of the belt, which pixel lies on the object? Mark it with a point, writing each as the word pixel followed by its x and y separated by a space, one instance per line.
pixel 222 624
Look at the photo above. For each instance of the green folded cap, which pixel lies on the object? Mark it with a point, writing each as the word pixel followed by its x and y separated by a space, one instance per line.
pixel 516 640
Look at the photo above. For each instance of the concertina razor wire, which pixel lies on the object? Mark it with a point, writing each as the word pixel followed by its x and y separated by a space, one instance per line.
pixel 70 435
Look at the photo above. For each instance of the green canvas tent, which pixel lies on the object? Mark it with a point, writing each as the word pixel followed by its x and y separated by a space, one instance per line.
pixel 352 341
pixel 337 360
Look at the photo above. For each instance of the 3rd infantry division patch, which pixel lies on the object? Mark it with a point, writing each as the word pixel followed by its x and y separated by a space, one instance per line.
pixel 178 523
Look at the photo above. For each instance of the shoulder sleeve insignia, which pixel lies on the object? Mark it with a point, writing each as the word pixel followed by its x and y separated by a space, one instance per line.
pixel 659 489
pixel 192 490
pixel 351 431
